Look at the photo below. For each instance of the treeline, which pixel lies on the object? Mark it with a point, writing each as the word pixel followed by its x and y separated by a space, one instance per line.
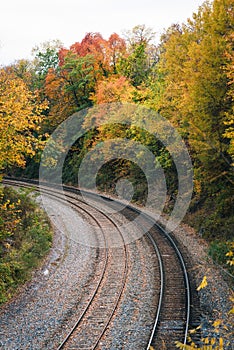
pixel 187 78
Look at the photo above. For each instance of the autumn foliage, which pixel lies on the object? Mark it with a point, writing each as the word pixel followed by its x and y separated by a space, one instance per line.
pixel 113 89
pixel 187 77
pixel 21 115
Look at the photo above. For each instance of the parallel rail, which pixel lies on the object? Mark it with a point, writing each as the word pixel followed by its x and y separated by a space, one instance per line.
pixel 149 220
pixel 96 291
pixel 80 319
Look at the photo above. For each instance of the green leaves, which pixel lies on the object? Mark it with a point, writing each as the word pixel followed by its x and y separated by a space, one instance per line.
pixel 135 66
pixel 80 75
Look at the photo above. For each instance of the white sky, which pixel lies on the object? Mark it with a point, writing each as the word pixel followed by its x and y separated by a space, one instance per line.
pixel 27 23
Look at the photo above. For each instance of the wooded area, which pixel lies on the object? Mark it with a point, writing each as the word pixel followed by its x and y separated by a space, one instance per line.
pixel 187 78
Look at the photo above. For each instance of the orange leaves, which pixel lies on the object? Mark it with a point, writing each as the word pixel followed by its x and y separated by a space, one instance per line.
pixel 87 71
pixel 53 84
pixel 114 89
pixel 116 49
pixel 62 54
pixel 116 43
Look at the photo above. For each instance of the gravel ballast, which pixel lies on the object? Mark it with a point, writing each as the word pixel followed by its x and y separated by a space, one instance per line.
pixel 40 314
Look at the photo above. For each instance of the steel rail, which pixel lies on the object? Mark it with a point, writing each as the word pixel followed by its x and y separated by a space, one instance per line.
pixel 186 280
pixel 161 291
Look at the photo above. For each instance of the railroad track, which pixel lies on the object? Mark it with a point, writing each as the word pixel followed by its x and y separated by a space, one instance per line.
pixel 173 313
pixel 172 316
pixel 104 300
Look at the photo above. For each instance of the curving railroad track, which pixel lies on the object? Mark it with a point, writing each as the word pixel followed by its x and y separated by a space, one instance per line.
pixel 172 302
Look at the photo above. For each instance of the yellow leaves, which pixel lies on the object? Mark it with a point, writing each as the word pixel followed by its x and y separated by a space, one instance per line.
pixel 193 331
pixel 181 346
pixel 208 344
pixel 7 245
pixel 8 206
pixel 10 217
pixel 206 340
pixel 20 115
pixel 197 186
pixel 229 133
pixel 5 205
pixel 221 344
pixel 203 284
pixel 230 254
pixel 230 262
pixel 214 342
pixel 231 312
pixel 217 323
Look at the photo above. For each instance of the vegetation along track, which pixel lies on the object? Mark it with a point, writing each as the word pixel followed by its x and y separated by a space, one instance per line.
pixel 173 310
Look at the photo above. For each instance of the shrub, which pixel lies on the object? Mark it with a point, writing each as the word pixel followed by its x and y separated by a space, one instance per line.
pixel 25 238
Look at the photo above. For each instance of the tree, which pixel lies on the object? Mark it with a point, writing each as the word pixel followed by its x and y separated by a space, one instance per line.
pixel 69 88
pixel 80 77
pixel 61 105
pixel 197 99
pixel 46 57
pixel 137 64
pixel 24 70
pixel 20 118
pixel 196 95
pixel 229 122
pixel 140 34
pixel 116 50
pixel 93 45
pixel 113 89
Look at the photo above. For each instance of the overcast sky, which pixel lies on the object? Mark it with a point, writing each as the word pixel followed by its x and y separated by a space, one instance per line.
pixel 27 23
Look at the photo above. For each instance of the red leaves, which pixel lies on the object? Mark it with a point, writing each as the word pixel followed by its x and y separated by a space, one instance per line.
pixel 105 52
